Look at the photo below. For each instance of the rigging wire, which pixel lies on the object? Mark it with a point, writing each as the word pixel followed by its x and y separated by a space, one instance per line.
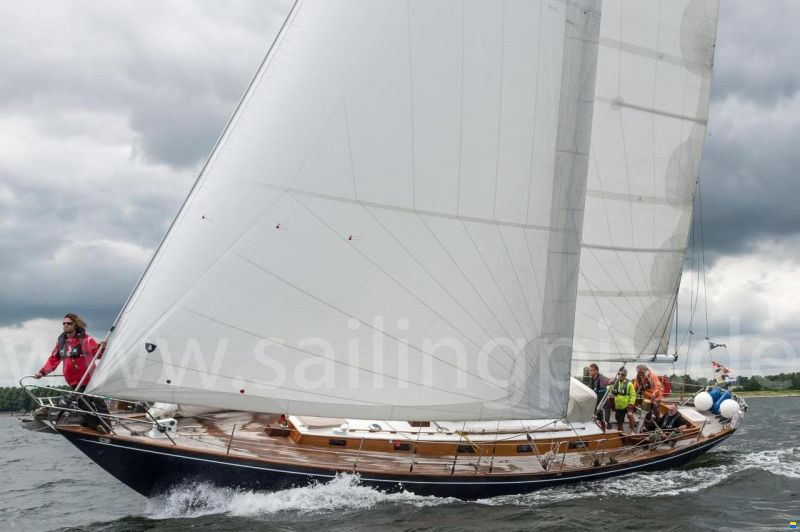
pixel 703 257
pixel 695 280
pixel 698 265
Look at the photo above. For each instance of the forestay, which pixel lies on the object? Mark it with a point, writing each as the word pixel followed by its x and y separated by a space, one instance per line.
pixel 650 113
pixel 389 227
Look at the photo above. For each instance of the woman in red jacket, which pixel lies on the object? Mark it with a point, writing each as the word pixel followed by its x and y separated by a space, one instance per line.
pixel 77 350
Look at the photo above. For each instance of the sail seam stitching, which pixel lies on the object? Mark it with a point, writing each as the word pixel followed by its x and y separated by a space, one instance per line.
pixel 341 311
pixel 469 282
pixel 426 270
pixel 401 285
pixel 311 353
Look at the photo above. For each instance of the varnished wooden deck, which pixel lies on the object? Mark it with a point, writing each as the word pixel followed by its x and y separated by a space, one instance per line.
pixel 243 435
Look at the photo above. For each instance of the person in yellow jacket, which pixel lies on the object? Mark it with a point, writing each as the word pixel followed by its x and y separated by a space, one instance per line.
pixel 624 394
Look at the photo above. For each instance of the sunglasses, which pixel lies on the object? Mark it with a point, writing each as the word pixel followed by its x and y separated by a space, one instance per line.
pixel 67 323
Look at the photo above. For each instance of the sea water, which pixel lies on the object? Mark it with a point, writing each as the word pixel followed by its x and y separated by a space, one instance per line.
pixel 750 482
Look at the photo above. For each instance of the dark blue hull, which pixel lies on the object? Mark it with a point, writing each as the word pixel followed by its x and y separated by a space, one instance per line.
pixel 151 470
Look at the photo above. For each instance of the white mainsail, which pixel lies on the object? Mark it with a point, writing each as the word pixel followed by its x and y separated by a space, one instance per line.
pixel 650 114
pixel 388 228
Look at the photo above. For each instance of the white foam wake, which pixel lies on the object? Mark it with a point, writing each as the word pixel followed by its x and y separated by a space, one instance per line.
pixel 346 493
pixel 671 482
pixel 783 462
pixel 341 493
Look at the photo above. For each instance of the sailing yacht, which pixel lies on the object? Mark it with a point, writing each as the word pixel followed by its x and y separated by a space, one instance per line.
pixel 421 218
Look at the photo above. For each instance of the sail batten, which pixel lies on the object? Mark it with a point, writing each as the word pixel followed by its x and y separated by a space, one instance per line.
pixel 412 210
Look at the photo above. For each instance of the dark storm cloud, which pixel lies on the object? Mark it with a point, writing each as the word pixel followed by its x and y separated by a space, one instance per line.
pixel 750 190
pixel 177 132
pixel 750 185
pixel 756 55
pixel 107 111
pixel 63 252
pixel 175 72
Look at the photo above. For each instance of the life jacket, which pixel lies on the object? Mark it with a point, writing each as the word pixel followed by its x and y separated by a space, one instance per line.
pixel 644 384
pixel 65 351
pixel 617 390
pixel 648 386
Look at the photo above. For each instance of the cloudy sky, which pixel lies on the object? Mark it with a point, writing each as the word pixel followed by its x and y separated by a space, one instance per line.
pixel 108 110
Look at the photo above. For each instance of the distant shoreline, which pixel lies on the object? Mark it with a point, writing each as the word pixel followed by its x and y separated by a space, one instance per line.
pixel 793 393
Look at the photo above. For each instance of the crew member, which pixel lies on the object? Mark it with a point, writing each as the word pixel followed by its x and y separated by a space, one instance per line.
pixel 599 384
pixel 77 350
pixel 672 426
pixel 624 394
pixel 648 387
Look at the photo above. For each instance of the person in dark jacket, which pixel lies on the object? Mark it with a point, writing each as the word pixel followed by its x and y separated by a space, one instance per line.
pixel 667 428
pixel 599 384
pixel 672 420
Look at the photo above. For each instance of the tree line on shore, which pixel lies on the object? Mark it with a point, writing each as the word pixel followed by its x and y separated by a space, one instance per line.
pixel 782 381
pixel 16 399
pixel 755 383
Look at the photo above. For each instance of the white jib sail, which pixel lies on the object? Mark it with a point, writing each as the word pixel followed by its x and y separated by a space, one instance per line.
pixel 650 114
pixel 388 228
